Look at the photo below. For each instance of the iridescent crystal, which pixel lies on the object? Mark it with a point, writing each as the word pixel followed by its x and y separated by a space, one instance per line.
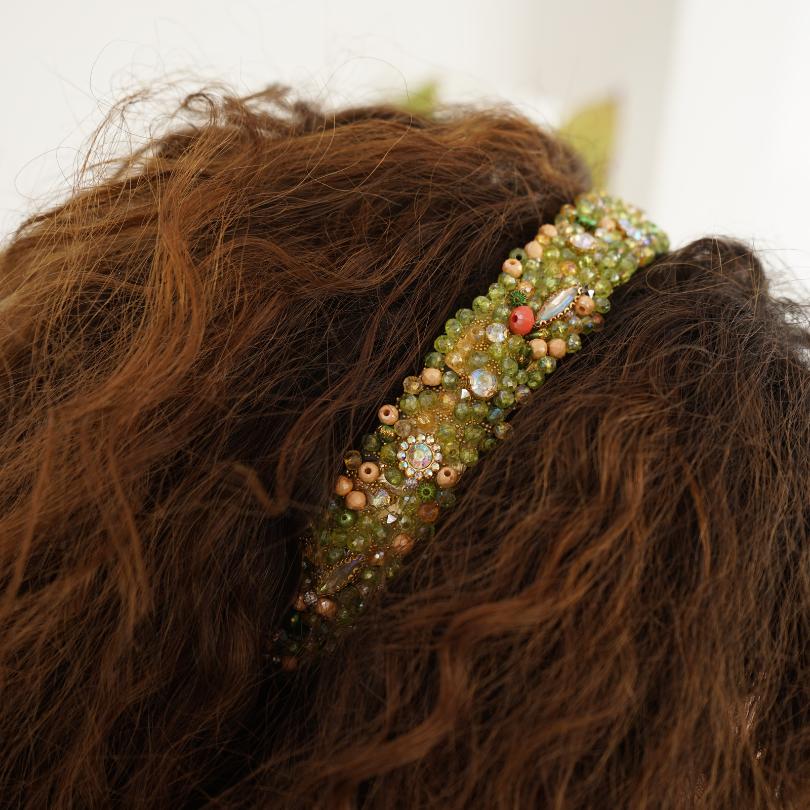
pixel 419 456
pixel 380 498
pixel 558 303
pixel 497 333
pixel 340 576
pixel 483 383
pixel 583 241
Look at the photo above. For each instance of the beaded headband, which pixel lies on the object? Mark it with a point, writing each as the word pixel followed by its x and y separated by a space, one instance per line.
pixel 488 361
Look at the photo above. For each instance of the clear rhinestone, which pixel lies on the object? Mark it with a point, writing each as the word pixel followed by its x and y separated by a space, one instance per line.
pixel 483 383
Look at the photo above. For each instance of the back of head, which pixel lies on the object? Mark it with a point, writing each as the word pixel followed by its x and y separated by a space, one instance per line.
pixel 615 612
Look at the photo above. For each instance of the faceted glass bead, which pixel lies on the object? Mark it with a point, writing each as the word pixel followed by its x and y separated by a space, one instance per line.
pixel 419 456
pixel 497 333
pixel 483 383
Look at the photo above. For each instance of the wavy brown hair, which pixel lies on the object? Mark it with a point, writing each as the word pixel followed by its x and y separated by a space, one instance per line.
pixel 615 614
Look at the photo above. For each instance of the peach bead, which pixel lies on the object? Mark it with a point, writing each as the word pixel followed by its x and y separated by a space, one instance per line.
pixel 534 250
pixel 431 376
pixel 584 305
pixel 548 230
pixel 446 477
pixel 344 485
pixel 388 414
pixel 300 604
pixel 428 512
pixel 539 348
pixel 556 347
pixel 368 472
pixel 356 500
pixel 598 320
pixel 402 544
pixel 326 607
pixel 512 267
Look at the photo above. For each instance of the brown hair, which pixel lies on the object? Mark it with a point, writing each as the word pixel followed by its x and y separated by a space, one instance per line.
pixel 614 615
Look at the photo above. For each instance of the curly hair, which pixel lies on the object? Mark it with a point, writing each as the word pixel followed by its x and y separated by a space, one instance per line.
pixel 615 614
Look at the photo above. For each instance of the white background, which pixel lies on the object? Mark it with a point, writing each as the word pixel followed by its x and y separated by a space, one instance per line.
pixel 715 95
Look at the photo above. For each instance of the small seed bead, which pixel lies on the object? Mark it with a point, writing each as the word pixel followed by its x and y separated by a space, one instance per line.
pixel 368 472
pixel 388 414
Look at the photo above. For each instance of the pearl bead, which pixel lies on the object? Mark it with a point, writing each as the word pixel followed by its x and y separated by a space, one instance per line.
pixel 539 348
pixel 556 348
pixel 521 320
pixel 431 376
pixel 446 477
pixel 388 414
pixel 428 512
pixel 548 230
pixel 326 607
pixel 584 305
pixel 534 250
pixel 368 472
pixel 356 500
pixel 512 267
pixel 344 485
pixel 402 544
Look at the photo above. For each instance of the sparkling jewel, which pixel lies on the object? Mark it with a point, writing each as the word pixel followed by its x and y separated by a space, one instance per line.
pixel 583 241
pixel 557 304
pixel 557 348
pixel 483 383
pixel 497 333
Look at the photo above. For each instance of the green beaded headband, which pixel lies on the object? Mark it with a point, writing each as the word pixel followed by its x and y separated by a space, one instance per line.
pixel 488 361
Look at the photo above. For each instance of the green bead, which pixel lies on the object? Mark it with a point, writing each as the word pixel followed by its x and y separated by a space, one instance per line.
pixel 450 380
pixel 586 324
pixel 478 359
pixel 495 415
pixel 446 498
pixel 359 542
pixel 346 518
pixel 509 365
pixel 371 443
pixel 408 403
pixel 394 476
pixel 517 253
pixel 482 304
pixel 547 364
pixel 462 411
pixel 450 450
pixel 559 329
pixel 443 344
pixel 469 456
pixel 453 327
pixel 474 434
pixel 514 342
pixel 501 312
pixel 434 360
pixel 507 282
pixel 488 444
pixel 504 399
pixel 573 343
pixel 388 453
pixel 445 432
pixel 465 316
pixel 497 351
pixel 602 288
pixel 427 491
pixel 479 409
pixel 496 293
pixel 550 254
pixel 427 401
pixel 602 305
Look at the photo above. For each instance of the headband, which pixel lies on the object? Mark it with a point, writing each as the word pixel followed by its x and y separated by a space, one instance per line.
pixel 488 361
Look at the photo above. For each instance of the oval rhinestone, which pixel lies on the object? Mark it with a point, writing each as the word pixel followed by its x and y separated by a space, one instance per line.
pixel 419 456
pixel 483 383
pixel 340 576
pixel 558 303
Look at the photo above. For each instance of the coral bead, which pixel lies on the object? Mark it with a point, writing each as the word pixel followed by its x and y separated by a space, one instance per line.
pixel 521 320
pixel 344 485
pixel 388 414
pixel 356 500
pixel 368 472
pixel 512 267
pixel 584 305
pixel 539 348
pixel 557 348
